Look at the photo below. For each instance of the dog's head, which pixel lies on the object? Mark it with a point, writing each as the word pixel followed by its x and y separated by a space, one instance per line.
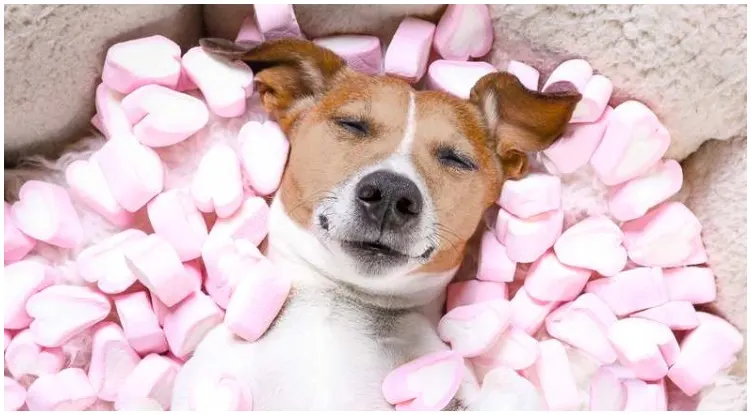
pixel 384 180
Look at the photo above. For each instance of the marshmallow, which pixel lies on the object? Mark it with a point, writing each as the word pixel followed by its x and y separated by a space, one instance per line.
pixel 552 373
pixel 578 72
pixel 456 78
pixel 464 31
pixel 87 184
pixel 576 326
pixel 263 150
pixel 150 60
pixel 678 315
pixel 249 32
pixel 409 50
pixel 643 346
pixel 14 395
pixel 257 301
pixel 112 360
pixel 7 337
pixel 97 123
pixel 224 84
pixel 185 84
pixel 45 212
pixel 68 390
pixel 664 237
pixel 174 217
pixel 194 270
pixel 425 384
pixel 160 310
pixel 643 396
pixel 217 185
pixel 188 322
pixel 594 243
pixel 249 222
pixel 631 290
pixel 134 172
pixel 227 262
pixel 535 194
pixel 104 263
pixel 693 284
pixel 705 351
pixel 361 52
pixel 494 263
pixel 527 313
pixel 505 390
pixel 162 117
pixel 633 142
pixel 25 357
pixel 527 75
pixel 595 97
pixel 277 21
pixel 607 392
pixel 16 243
pixel 550 280
pixel 157 266
pixel 575 147
pixel 151 379
pixel 527 239
pixel 635 197
pixel 83 307
pixel 22 280
pixel 462 293
pixel 514 349
pixel 140 323
pixel 110 115
pixel 473 329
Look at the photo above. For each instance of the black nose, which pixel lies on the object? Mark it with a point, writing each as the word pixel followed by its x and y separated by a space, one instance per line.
pixel 389 200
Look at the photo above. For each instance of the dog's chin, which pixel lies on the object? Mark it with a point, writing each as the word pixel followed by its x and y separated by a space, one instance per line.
pixel 374 258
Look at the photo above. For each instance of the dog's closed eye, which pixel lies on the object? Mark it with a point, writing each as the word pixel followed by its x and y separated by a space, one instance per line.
pixel 455 159
pixel 353 125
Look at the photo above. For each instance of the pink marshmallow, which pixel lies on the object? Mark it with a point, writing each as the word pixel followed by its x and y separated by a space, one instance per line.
pixel 527 313
pixel 427 383
pixel 409 50
pixel 576 71
pixel 456 78
pixel 217 185
pixel 68 390
pixel 110 115
pixel 185 84
pixel 87 184
pixel 646 347
pixel 577 327
pixel 607 392
pixel 643 396
pixel 707 350
pixel 152 379
pixel 16 243
pixel 227 262
pixel 7 337
pixel 494 263
pixel 22 280
pixel 104 263
pixel 635 197
pixel 527 75
pixel 162 117
pixel 157 266
pixel 552 374
pixel 577 144
pixel 112 360
pixel 595 97
pixel 25 357
pixel 174 217
pixel 140 323
pixel 134 172
pixel 464 31
pixel 150 60
pixel 550 280
pixel 263 150
pixel 514 349
pixel 249 222
pixel 634 141
pixel 473 329
pixel 535 194
pixel 194 271
pixel 664 237
pixel 277 21
pixel 631 290
pixel 594 243
pixel 249 32
pixel 45 212
pixel 595 309
pixel 257 301
pixel 361 52
pixel 14 395
pixel 462 293
pixel 693 284
pixel 678 315
pixel 527 239
pixel 83 307
pixel 224 84
pixel 160 310
pixel 188 322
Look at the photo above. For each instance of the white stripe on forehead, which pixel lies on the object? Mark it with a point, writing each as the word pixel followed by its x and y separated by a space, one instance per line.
pixel 405 147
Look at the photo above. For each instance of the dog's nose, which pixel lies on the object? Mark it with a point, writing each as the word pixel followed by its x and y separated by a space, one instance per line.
pixel 389 200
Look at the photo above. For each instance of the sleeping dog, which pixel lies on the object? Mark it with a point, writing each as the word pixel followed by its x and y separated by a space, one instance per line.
pixel 383 190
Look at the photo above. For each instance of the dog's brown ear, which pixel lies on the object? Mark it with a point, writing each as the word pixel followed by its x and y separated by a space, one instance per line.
pixel 286 70
pixel 521 120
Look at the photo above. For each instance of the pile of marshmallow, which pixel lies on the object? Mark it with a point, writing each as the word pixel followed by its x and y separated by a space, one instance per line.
pixel 187 258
